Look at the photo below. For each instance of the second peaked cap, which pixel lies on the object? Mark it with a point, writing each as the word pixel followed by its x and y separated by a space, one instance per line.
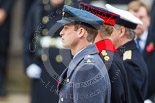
pixel 108 16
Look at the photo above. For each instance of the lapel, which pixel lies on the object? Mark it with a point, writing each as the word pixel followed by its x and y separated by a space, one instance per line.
pixel 61 78
pixel 131 45
pixel 91 49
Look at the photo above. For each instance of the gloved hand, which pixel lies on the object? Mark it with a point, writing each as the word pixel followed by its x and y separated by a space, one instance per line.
pixel 33 71
pixel 47 42
pixel 148 101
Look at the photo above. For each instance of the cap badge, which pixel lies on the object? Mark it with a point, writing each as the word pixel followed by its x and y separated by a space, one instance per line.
pixel 63 12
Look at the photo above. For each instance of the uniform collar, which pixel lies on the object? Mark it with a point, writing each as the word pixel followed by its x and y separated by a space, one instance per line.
pixel 105 45
pixel 78 53
pixel 91 49
pixel 131 45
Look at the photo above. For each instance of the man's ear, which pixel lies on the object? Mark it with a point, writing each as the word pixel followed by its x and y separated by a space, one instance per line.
pixel 81 31
pixel 121 31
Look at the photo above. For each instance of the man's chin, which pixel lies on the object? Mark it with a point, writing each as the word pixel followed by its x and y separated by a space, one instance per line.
pixel 139 33
pixel 66 47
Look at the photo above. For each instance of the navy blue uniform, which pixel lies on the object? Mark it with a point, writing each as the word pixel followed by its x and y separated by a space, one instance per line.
pixel 41 18
pixel 149 56
pixel 118 76
pixel 136 71
pixel 4 41
pixel 28 4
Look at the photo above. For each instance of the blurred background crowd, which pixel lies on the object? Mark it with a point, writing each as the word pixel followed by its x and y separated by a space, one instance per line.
pixel 26 34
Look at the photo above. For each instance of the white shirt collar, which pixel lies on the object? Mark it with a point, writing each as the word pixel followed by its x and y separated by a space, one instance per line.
pixel 143 40
pixel 144 36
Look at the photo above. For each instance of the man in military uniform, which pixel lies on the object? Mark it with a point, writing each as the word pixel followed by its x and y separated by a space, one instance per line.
pixel 38 37
pixel 118 76
pixel 123 39
pixel 85 80
pixel 5 11
pixel 145 39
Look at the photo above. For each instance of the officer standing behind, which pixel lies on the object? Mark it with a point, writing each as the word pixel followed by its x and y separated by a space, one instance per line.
pixel 85 80
pixel 118 76
pixel 5 10
pixel 27 6
pixel 123 39
pixel 41 18
pixel 145 41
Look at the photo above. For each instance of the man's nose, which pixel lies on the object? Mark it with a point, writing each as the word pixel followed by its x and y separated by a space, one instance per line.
pixel 61 33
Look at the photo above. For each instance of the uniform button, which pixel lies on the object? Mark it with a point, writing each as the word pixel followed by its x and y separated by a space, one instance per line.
pixel 45 32
pixel 47 7
pixel 67 80
pixel 62 99
pixel 45 1
pixel 45 19
pixel 59 58
pixel 44 57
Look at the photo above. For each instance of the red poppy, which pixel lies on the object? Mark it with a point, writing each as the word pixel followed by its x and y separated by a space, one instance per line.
pixel 150 47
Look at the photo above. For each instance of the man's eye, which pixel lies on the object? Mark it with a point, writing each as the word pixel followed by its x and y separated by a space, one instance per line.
pixel 65 27
pixel 141 17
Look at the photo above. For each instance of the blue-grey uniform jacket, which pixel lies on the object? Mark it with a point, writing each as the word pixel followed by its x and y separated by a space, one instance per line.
pixel 85 80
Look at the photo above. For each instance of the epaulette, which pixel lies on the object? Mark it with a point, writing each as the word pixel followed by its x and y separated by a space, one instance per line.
pixel 127 55
pixel 89 59
pixel 107 57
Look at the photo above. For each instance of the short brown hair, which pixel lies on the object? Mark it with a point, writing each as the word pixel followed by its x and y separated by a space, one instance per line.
pixel 106 30
pixel 135 5
pixel 92 32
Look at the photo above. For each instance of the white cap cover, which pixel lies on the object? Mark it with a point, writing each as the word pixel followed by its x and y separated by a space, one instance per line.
pixel 126 18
